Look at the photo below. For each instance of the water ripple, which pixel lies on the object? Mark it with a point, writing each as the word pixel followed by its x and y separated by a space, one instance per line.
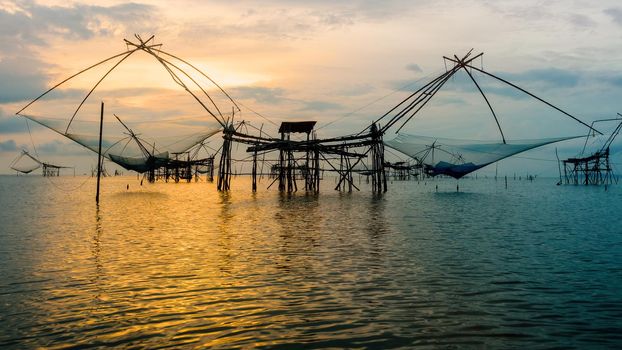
pixel 182 266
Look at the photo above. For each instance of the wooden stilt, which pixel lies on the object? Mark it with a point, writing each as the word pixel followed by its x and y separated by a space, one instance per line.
pixel 224 170
pixel 99 152
pixel 254 174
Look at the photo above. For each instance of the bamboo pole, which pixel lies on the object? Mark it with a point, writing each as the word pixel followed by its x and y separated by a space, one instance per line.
pixel 254 174
pixel 99 152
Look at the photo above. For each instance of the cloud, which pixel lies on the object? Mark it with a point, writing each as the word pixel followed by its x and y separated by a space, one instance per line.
pixel 319 106
pixel 8 146
pixel 460 88
pixel 407 84
pixel 538 79
pixel 25 23
pixel 285 20
pixel 59 147
pixel 259 94
pixel 615 80
pixel 10 124
pixel 522 11
pixel 585 93
pixel 204 123
pixel 444 100
pixel 335 14
pixel 356 90
pixel 21 78
pixel 51 147
pixel 615 14
pixel 414 67
pixel 275 96
pixel 335 21
pixel 553 77
pixel 28 26
pixel 582 21
pixel 281 24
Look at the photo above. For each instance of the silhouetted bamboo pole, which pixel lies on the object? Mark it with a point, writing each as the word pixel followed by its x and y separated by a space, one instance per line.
pixel 99 152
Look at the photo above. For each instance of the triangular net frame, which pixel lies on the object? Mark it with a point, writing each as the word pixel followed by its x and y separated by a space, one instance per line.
pixel 25 163
pixel 456 157
pixel 141 144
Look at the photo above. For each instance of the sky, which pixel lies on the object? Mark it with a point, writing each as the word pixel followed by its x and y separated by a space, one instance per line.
pixel 342 63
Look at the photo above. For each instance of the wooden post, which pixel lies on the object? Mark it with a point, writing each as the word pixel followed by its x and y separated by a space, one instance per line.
pixel 307 173
pixel 317 169
pixel 290 166
pixel 254 175
pixel 176 167
pixel 211 170
pixel 379 177
pixel 351 174
pixel 188 169
pixel 282 166
pixel 382 172
pixel 99 152
pixel 224 170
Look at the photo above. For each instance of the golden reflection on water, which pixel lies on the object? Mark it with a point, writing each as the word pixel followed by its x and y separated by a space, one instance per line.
pixel 195 269
pixel 183 265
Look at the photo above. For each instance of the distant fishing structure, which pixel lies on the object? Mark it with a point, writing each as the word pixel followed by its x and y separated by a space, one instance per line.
pixel 299 156
pixel 26 163
pixel 594 168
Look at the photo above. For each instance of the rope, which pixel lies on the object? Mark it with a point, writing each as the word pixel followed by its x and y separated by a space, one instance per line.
pixel 48 177
pixel 68 189
pixel 31 139
pixel 258 114
pixel 377 100
pixel 388 150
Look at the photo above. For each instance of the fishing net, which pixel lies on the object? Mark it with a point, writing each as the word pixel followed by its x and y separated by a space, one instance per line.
pixel 457 158
pixel 157 106
pixel 140 151
pixel 25 163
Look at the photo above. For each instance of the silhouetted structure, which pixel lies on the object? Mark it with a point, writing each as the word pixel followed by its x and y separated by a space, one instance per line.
pixel 300 160
pixel 451 157
pixel 401 170
pixel 51 170
pixel 26 163
pixel 594 169
pixel 297 160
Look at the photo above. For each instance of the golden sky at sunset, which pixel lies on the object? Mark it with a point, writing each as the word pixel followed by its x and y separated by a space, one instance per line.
pixel 319 60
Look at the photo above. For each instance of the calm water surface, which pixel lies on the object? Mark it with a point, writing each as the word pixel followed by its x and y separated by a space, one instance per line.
pixel 183 266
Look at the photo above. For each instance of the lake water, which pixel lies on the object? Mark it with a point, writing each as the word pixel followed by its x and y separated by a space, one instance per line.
pixel 182 266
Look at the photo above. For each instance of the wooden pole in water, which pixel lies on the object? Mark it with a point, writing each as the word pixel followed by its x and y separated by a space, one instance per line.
pixel 99 152
pixel 254 172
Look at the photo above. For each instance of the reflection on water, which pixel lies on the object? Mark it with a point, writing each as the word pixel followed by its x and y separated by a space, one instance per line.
pixel 98 274
pixel 181 265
